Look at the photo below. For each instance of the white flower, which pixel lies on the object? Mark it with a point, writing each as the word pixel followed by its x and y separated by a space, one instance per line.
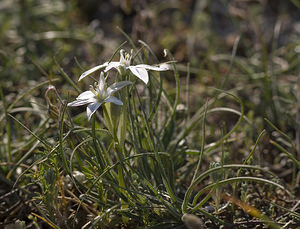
pixel 124 64
pixel 98 95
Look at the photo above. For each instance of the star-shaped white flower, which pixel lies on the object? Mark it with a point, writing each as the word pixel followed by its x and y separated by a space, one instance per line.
pixel 98 95
pixel 124 64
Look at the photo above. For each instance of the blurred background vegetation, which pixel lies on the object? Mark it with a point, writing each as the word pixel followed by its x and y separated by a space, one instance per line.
pixel 248 47
pixel 80 34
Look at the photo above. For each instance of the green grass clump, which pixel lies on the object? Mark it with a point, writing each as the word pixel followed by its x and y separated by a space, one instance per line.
pixel 147 163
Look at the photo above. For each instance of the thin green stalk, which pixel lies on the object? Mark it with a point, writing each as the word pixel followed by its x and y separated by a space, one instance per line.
pixel 123 121
pixel 197 117
pixel 238 179
pixel 26 93
pixel 94 136
pixel 187 193
pixel 189 190
pixel 157 101
pixel 128 38
pixel 94 223
pixel 291 156
pixel 187 94
pixel 74 152
pixel 117 146
pixel 296 3
pixel 136 141
pixel 116 51
pixel 157 156
pixel 177 81
pixel 40 130
pixel 33 134
pixel 67 78
pixel 110 168
pixel 290 211
pixel 214 218
pixel 280 132
pixel 8 129
pixel 109 124
pixel 43 158
pixel 61 140
pixel 205 174
pixel 233 54
pixel 204 200
pixel 120 150
pixel 252 151
pixel 23 158
pixel 202 147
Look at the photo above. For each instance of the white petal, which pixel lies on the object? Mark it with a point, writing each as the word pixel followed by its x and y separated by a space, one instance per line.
pixel 111 65
pixel 141 73
pixel 77 103
pixel 91 109
pixel 122 53
pixel 85 95
pixel 101 82
pixel 117 86
pixel 88 72
pixel 163 67
pixel 112 99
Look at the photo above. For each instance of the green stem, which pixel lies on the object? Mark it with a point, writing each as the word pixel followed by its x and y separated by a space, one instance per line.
pixel 187 194
pixel 119 149
pixel 123 122
pixel 61 139
pixel 153 147
pixel 109 124
pixel 98 153
pixel 8 128
pixel 290 155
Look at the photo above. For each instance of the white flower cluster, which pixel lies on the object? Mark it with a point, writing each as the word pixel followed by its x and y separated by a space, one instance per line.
pixel 100 93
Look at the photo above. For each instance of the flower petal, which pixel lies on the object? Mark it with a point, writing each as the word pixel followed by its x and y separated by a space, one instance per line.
pixel 77 103
pixel 85 95
pixel 111 65
pixel 101 82
pixel 88 72
pixel 117 86
pixel 139 72
pixel 91 109
pixel 112 99
pixel 122 53
pixel 154 68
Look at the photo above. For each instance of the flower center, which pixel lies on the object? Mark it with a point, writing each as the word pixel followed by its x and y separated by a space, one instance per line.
pixel 100 95
pixel 125 58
